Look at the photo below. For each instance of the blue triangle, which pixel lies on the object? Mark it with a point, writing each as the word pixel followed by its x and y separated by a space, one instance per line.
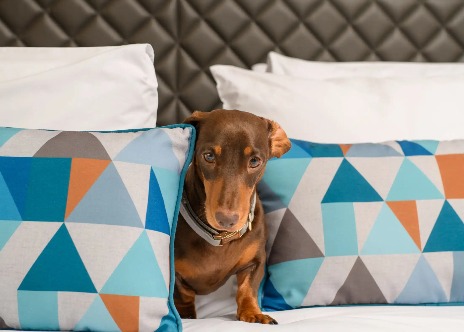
pixel 413 149
pixel 38 310
pixel 429 145
pixel 8 209
pixel 447 233
pixel 283 177
pixel 152 147
pixel 388 236
pixel 272 300
pixel 294 286
pixel 411 184
pixel 156 218
pixel 422 287
pixel 350 186
pixel 59 268
pixel 16 172
pixel 7 133
pixel 457 286
pixel 318 150
pixel 339 224
pixel 296 151
pixel 107 202
pixel 138 274
pixel 7 228
pixel 168 182
pixel 372 150
pixel 97 318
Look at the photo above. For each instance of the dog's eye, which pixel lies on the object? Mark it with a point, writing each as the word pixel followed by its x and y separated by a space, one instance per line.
pixel 209 157
pixel 254 162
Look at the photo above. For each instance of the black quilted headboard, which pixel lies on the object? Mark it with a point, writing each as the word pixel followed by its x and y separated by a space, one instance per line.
pixel 189 36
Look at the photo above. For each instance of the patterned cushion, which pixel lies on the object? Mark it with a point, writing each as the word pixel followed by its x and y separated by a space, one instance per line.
pixel 365 223
pixel 86 221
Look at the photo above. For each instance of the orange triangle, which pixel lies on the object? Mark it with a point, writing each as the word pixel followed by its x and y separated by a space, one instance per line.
pixel 345 148
pixel 406 212
pixel 124 310
pixel 84 173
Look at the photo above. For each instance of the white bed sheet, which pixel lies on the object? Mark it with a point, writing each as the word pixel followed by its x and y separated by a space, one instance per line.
pixel 346 319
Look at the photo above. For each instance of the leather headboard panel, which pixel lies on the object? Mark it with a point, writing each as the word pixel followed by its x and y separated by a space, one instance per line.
pixel 189 36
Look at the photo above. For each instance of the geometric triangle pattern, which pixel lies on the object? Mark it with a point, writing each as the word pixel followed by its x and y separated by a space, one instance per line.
pixel 394 209
pixel 100 269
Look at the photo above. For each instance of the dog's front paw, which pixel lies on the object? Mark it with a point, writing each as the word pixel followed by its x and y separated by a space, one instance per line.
pixel 256 318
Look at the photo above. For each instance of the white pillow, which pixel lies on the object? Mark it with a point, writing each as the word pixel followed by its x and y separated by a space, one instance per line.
pixel 348 110
pixel 90 88
pixel 259 67
pixel 283 65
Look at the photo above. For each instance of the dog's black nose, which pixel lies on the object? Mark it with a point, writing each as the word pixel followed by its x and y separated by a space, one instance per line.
pixel 226 220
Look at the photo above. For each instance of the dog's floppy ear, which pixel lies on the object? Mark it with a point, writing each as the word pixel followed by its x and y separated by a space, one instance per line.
pixel 196 118
pixel 278 140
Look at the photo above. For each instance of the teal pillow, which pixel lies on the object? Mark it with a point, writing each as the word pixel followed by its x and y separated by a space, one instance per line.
pixel 364 224
pixel 87 221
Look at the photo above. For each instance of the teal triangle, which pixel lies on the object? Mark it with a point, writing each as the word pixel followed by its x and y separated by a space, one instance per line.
pixel 107 202
pixel 16 172
pixel 7 228
pixel 348 185
pixel 318 150
pixel 59 268
pixel 294 286
pixel 388 236
pixel 447 233
pixel 138 274
pixel 7 133
pixel 422 287
pixel 429 145
pixel 156 218
pixel 283 177
pixel 97 318
pixel 297 151
pixel 168 182
pixel 8 209
pixel 412 184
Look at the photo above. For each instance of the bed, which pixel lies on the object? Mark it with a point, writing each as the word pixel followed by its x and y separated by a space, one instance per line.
pixel 190 36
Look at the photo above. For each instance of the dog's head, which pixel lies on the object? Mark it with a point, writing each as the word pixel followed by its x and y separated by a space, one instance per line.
pixel 231 152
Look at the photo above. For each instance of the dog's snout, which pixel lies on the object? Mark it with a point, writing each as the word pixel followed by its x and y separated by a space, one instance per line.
pixel 226 219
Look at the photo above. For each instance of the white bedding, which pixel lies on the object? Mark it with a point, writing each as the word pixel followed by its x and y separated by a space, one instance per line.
pixel 331 319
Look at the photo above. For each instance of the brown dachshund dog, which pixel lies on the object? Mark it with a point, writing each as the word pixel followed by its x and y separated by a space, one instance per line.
pixel 221 229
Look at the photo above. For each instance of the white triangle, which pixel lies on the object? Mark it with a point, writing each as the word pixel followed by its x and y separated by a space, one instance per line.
pixel 391 272
pixel 306 202
pixel 71 308
pixel 379 172
pixel 136 179
pixel 428 165
pixel 178 137
pixel 331 276
pixel 160 243
pixel 273 220
pixel 102 247
pixel 114 144
pixel 442 264
pixel 365 214
pixel 151 311
pixel 449 147
pixel 27 242
pixel 427 213
pixel 35 140
pixel 458 207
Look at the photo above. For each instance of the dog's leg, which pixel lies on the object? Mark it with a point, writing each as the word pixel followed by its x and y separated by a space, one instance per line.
pixel 247 296
pixel 184 300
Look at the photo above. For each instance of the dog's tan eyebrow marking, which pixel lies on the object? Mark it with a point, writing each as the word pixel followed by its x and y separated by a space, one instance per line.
pixel 247 151
pixel 217 150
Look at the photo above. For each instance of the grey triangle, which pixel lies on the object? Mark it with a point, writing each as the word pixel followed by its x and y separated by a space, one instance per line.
pixel 71 144
pixel 359 287
pixel 3 325
pixel 291 232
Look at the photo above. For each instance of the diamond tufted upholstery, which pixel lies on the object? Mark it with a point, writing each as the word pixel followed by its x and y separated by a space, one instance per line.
pixel 189 36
